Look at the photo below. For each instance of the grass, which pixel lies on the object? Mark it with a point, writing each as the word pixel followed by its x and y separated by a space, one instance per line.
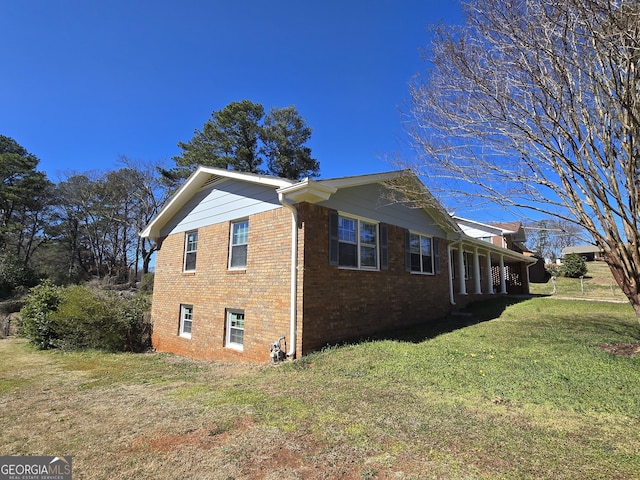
pixel 597 284
pixel 522 390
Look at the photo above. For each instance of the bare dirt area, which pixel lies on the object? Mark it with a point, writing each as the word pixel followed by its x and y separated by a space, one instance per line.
pixel 626 349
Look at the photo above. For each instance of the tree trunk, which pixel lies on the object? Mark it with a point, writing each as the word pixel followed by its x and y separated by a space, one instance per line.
pixel 627 284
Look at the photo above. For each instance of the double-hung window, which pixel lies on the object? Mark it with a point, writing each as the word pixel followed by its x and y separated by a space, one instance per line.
pixel 235 329
pixel 357 243
pixel 190 250
pixel 421 253
pixel 238 244
pixel 186 320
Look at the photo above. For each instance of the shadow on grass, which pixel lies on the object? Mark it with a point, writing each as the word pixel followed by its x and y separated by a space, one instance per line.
pixel 472 314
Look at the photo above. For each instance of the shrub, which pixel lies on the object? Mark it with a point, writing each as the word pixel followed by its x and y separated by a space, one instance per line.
pixel 37 322
pixel 146 285
pixel 89 318
pixel 573 266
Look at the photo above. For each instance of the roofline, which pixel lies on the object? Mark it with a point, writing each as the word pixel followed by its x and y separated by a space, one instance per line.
pixel 486 225
pixel 195 181
pixel 482 245
pixel 307 190
pixel 357 180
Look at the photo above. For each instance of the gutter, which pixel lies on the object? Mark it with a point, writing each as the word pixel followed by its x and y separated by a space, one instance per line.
pixel 294 275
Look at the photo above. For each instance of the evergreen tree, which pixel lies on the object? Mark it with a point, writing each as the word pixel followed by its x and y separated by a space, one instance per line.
pixel 239 137
pixel 284 134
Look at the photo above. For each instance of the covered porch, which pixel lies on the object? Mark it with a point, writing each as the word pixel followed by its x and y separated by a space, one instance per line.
pixel 478 268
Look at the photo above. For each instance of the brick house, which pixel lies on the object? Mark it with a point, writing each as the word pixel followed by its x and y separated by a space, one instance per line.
pixel 245 259
pixel 509 235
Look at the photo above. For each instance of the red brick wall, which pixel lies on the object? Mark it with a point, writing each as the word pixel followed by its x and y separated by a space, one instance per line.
pixel 333 304
pixel 262 290
pixel 344 304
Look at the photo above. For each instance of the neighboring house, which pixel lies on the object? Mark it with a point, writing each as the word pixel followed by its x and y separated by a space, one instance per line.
pixel 244 259
pixel 588 253
pixel 510 235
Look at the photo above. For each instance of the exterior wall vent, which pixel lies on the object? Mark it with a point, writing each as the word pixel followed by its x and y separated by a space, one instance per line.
pixel 213 180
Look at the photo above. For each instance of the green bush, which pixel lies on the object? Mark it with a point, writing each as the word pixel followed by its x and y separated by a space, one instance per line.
pixel 573 266
pixel 146 285
pixel 84 317
pixel 37 322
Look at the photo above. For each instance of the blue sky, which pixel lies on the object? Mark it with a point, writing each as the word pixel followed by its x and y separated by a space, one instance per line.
pixel 84 82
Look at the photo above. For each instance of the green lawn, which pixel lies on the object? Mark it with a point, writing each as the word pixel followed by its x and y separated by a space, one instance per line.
pixel 518 390
pixel 597 284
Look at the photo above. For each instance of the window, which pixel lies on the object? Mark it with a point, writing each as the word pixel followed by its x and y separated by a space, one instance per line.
pixel 235 329
pixel 357 243
pixel 186 320
pixel 421 253
pixel 239 242
pixel 190 249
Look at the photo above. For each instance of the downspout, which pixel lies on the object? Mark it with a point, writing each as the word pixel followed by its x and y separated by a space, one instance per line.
pixel 449 247
pixel 294 275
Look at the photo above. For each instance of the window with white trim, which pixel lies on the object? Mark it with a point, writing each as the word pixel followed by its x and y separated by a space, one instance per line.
pixel 235 329
pixel 421 252
pixel 190 250
pixel 186 320
pixel 238 244
pixel 357 243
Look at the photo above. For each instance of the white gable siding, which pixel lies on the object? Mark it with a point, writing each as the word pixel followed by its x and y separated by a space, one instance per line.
pixel 372 201
pixel 223 202
pixel 476 232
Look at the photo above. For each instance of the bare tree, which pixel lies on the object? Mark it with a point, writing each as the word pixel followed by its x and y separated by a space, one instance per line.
pixel 147 196
pixel 548 237
pixel 536 104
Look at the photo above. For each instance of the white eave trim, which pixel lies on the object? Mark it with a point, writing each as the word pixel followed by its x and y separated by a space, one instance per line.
pixel 195 182
pixel 307 191
pixel 471 242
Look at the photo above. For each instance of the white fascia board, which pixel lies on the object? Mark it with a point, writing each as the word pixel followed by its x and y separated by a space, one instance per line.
pixel 314 191
pixel 195 182
pixel 247 177
pixel 358 180
pixel 482 245
pixel 307 191
pixel 481 226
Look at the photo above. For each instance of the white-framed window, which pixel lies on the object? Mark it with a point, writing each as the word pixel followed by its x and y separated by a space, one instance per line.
pixel 235 329
pixel 190 250
pixel 421 253
pixel 357 243
pixel 238 244
pixel 186 320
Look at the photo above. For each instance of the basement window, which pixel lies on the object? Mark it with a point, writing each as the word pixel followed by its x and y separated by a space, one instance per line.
pixel 235 329
pixel 186 320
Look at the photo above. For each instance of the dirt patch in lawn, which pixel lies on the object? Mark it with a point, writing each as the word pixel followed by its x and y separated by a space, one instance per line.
pixel 626 349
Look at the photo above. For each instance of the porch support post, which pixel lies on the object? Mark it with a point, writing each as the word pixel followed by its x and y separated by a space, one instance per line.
pixel 489 278
pixel 503 280
pixel 461 270
pixel 476 271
